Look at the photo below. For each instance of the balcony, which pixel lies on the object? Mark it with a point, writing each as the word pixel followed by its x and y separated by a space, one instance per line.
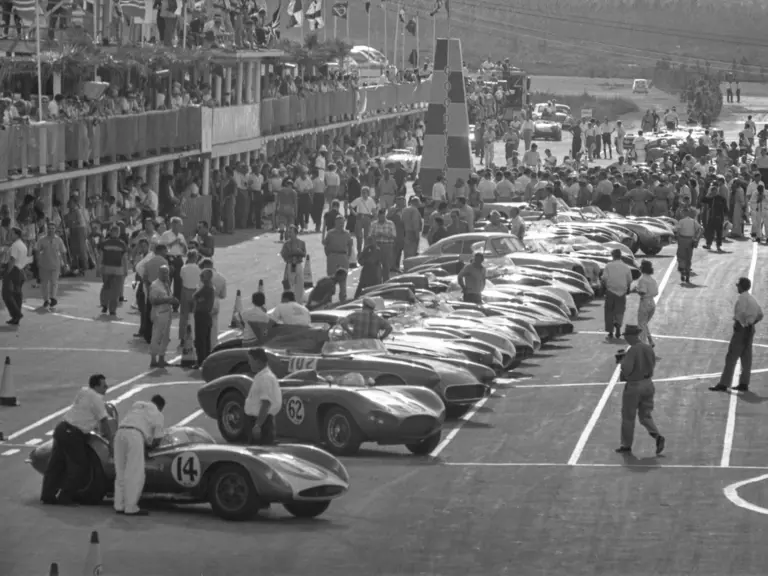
pixel 30 150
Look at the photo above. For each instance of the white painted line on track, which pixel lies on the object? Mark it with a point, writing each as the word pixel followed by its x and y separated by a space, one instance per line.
pixel 691 338
pixel 732 493
pixel 33 442
pixel 51 349
pixel 730 421
pixel 597 413
pixel 10 452
pixel 112 389
pixel 607 465
pixel 81 318
pixel 4 445
pixel 466 418
pixel 190 418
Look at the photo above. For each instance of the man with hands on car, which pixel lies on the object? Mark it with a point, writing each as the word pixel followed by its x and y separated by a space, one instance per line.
pixel 264 399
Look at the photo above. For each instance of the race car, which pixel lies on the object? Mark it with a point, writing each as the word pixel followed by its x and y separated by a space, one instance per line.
pixel 189 467
pixel 457 387
pixel 562 114
pixel 547 130
pixel 339 411
pixel 405 158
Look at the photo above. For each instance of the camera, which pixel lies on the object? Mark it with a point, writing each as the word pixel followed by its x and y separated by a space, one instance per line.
pixel 620 356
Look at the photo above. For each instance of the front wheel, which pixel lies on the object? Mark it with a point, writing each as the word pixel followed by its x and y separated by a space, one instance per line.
pixel 233 422
pixel 426 446
pixel 96 486
pixel 306 509
pixel 340 433
pixel 232 494
pixel 559 137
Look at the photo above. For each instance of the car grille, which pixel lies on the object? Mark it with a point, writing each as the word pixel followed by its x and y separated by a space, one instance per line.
pixel 321 492
pixel 417 426
pixel 465 392
pixel 666 239
pixel 523 351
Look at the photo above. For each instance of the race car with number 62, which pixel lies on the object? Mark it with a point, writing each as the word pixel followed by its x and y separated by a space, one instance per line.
pixel 189 467
pixel 339 411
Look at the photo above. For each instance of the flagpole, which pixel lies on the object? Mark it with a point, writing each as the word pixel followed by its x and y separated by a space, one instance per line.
pixel 184 23
pixel 418 51
pixel 335 23
pixel 346 21
pixel 369 25
pixel 386 40
pixel 402 49
pixel 434 31
pixel 397 29
pixel 39 65
pixel 325 21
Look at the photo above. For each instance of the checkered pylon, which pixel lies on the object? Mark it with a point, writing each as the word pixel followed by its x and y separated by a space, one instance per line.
pixel 446 135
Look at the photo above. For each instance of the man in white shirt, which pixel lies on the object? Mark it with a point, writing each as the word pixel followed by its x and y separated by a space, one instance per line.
pixel 505 188
pixel 13 280
pixel 177 248
pixel 617 279
pixel 640 143
pixel 190 279
pixel 527 130
pixel 487 188
pixel 532 158
pixel 68 467
pixel 522 181
pixel 746 314
pixel 220 289
pixel 606 130
pixel 256 322
pixel 143 427
pixel 365 207
pixel 438 189
pixel 151 201
pixel 291 312
pixel 264 399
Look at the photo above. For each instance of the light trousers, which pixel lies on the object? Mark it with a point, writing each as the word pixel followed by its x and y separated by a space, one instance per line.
pixel 129 469
pixel 645 311
pixel 49 284
pixel 161 332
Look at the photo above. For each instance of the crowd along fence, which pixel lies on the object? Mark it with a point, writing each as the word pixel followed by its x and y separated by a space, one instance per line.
pixel 36 148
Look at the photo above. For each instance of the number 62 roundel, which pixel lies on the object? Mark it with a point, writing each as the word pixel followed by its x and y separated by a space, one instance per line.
pixel 186 470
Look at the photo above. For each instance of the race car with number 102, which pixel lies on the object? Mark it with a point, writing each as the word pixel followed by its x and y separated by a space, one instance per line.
pixel 337 410
pixel 189 467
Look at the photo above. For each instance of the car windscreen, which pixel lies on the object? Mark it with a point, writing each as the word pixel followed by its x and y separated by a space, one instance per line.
pixel 347 346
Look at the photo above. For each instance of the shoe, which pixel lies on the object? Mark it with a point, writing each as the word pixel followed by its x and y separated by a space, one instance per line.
pixel 139 513
pixel 13 322
pixel 740 388
pixel 609 337
pixel 154 365
pixel 718 388
pixel 623 450
pixel 660 443
pixel 54 302
pixel 46 304
pixel 103 309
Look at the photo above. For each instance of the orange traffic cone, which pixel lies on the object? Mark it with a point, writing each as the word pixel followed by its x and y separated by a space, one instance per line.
pixel 7 388
pixel 54 571
pixel 237 319
pixel 92 565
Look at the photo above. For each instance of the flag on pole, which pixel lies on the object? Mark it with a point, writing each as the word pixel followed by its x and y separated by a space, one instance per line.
pixel 295 14
pixel 413 59
pixel 315 15
pixel 368 7
pixel 25 9
pixel 411 27
pixel 273 28
pixel 340 10
pixel 448 8
pixel 437 8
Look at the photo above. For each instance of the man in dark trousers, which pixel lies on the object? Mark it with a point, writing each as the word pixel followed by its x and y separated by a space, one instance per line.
pixel 114 269
pixel 716 202
pixel 746 313
pixel 617 280
pixel 637 365
pixel 69 464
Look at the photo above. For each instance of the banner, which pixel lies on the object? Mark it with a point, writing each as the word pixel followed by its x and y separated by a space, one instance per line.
pixel 340 10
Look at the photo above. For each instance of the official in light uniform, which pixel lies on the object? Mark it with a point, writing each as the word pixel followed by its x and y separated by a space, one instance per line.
pixel 338 245
pixel 68 467
pixel 162 306
pixel 746 313
pixel 648 289
pixel 143 426
pixel 617 279
pixel 637 365
pixel 688 234
pixel 264 399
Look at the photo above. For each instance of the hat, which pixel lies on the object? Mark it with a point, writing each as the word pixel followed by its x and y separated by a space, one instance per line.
pixel 632 330
pixel 369 303
pixel 323 148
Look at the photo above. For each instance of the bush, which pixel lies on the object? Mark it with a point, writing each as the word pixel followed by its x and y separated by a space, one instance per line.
pixel 601 107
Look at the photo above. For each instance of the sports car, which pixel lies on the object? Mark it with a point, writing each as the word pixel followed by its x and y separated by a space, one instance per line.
pixel 189 467
pixel 457 387
pixel 339 411
pixel 409 160
pixel 547 130
pixel 562 114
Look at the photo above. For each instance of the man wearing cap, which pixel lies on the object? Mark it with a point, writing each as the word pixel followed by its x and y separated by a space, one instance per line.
pixel 637 365
pixel 293 253
pixel 471 279
pixel 338 245
pixel 264 398
pixel 365 323
pixel 746 314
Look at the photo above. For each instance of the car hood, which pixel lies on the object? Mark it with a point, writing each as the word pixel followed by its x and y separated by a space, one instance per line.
pixel 395 402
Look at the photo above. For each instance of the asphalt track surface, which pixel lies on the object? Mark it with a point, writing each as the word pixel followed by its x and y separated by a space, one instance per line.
pixel 528 483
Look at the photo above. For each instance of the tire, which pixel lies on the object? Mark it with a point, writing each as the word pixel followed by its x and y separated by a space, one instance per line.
pixel 340 433
pixel 223 482
pixel 426 446
pixel 306 509
pixel 97 486
pixel 233 422
pixel 651 251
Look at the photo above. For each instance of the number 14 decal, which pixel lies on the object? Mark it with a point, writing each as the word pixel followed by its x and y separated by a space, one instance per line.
pixel 186 470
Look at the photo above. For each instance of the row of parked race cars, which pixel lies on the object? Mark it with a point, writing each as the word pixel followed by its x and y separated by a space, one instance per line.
pixel 338 394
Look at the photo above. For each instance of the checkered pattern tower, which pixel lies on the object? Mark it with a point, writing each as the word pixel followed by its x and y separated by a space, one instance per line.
pixel 446 135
